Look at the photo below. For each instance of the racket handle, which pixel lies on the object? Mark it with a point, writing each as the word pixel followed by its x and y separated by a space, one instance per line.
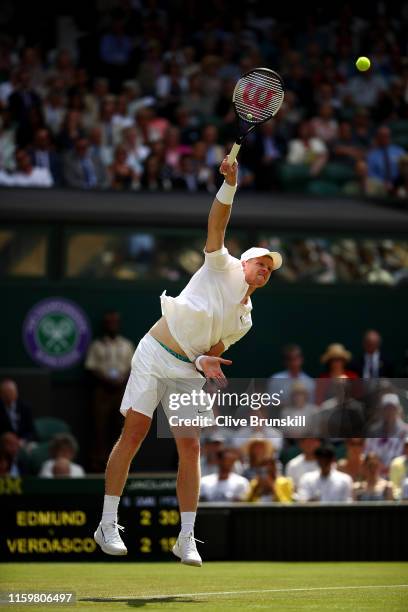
pixel 233 153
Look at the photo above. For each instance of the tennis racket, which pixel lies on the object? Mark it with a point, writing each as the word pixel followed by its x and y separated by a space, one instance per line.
pixel 257 97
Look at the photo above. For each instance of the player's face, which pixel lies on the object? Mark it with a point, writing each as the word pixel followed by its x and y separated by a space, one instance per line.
pixel 258 270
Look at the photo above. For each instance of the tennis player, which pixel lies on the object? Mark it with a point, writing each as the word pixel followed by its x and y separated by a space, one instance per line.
pixel 212 312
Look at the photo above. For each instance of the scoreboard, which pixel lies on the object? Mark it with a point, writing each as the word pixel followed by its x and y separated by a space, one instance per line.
pixel 54 519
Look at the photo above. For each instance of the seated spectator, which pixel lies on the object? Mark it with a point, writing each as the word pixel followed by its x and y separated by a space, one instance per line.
pixel 303 463
pixel 363 184
pixel 5 463
pixel 388 433
pixel 353 463
pixel 154 176
pixel 10 446
pixel 267 486
pixel 404 490
pixel 7 142
pixel 399 469
pixel 209 454
pixel 258 431
pixel 136 151
pixel 43 155
pixel 365 88
pixel 293 361
pixel 214 151
pixel 15 415
pixel 341 415
pixel 335 358
pixel 344 149
pixel 373 487
pixel 97 149
pixel 256 452
pixel 362 128
pixel 26 175
pixel 298 405
pixel 307 150
pixel 225 485
pixel 326 484
pixel 174 148
pixel 325 125
pixel 372 363
pixel 267 150
pixel 21 102
pixel 193 176
pixel 401 184
pixel 383 159
pixel 72 130
pixel 63 449
pixel 115 50
pixel 121 174
pixel 82 169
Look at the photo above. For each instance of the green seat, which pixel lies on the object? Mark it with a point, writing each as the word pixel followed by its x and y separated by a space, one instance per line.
pixel 399 126
pixel 31 461
pixel 48 427
pixel 289 453
pixel 294 177
pixel 323 188
pixel 337 173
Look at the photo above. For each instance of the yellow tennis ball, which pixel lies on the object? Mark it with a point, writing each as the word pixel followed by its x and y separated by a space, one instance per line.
pixel 249 116
pixel 363 64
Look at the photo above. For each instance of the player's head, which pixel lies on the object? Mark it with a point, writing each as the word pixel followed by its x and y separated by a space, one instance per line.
pixel 258 264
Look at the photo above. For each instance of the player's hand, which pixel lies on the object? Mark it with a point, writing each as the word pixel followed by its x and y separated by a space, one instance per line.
pixel 229 171
pixel 212 369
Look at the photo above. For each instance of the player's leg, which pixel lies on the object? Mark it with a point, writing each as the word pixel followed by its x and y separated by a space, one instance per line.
pixel 134 432
pixel 188 490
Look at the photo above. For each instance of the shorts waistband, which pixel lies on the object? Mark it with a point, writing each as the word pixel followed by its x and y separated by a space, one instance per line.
pixel 169 350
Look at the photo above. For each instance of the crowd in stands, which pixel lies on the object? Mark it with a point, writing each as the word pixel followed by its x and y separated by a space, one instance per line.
pixel 354 445
pixel 132 97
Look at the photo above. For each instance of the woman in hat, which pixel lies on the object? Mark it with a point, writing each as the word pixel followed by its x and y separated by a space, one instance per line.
pixel 335 358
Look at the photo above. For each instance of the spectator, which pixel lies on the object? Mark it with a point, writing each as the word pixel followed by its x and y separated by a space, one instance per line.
pixel 116 51
pixel 63 449
pixel 54 111
pixel 136 151
pixel 10 446
pixel 5 463
pixel 325 126
pixel 267 151
pixel 267 486
pixel 97 149
pixel 363 184
pixel 388 433
pixel 404 490
pixel 193 176
pixel 399 469
pixel 401 184
pixel 209 454
pixel 373 487
pixel 299 406
pixel 82 169
pixel 307 150
pixel 154 175
pixel 259 432
pixel 373 363
pixel 121 174
pixel 15 415
pixel 7 142
pixel 43 155
pixel 353 463
pixel 257 451
pixel 326 484
pixel 225 485
pixel 344 149
pixel 21 102
pixel 362 128
pixel 26 175
pixel 335 358
pixel 365 88
pixel 72 129
pixel 340 415
pixel 215 153
pixel 304 462
pixel 108 360
pixel 293 361
pixel 383 159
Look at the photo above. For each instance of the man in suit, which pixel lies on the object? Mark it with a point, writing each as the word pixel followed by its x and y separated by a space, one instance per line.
pixel 82 169
pixel 21 104
pixel 373 364
pixel 15 415
pixel 43 154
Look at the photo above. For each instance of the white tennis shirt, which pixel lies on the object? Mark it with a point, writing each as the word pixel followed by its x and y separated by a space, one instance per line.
pixel 208 309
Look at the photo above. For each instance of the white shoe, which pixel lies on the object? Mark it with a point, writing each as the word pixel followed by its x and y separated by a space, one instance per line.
pixel 186 550
pixel 108 538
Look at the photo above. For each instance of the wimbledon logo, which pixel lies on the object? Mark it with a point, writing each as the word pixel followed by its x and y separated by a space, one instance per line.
pixel 56 333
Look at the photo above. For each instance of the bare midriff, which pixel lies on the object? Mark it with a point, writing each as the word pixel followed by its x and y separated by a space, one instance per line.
pixel 160 331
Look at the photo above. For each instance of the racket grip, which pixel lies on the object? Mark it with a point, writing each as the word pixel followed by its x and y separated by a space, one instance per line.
pixel 233 153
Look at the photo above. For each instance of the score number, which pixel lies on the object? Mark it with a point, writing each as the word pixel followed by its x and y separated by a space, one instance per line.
pixel 166 517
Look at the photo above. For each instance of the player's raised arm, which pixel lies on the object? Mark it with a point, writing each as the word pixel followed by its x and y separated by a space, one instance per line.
pixel 221 208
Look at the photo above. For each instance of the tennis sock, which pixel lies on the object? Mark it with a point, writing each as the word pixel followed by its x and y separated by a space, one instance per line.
pixel 187 522
pixel 110 509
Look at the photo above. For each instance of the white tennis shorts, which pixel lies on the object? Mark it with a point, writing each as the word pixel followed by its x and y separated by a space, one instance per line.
pixel 157 376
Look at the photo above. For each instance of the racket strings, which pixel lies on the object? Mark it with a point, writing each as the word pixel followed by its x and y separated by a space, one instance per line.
pixel 258 96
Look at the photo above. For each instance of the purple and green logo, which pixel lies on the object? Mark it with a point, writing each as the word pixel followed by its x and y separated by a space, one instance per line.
pixel 56 333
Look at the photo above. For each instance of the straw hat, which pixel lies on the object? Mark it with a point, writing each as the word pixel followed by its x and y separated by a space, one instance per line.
pixel 335 351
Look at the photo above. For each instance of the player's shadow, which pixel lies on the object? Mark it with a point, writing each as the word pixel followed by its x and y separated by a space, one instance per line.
pixel 139 602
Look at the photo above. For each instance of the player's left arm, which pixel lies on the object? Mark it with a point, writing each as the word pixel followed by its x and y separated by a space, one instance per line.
pixel 220 211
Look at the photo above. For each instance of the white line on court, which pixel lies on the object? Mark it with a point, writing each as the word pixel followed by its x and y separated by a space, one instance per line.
pixel 331 588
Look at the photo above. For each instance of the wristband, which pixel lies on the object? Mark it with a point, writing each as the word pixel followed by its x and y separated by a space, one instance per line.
pixel 226 194
pixel 197 363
